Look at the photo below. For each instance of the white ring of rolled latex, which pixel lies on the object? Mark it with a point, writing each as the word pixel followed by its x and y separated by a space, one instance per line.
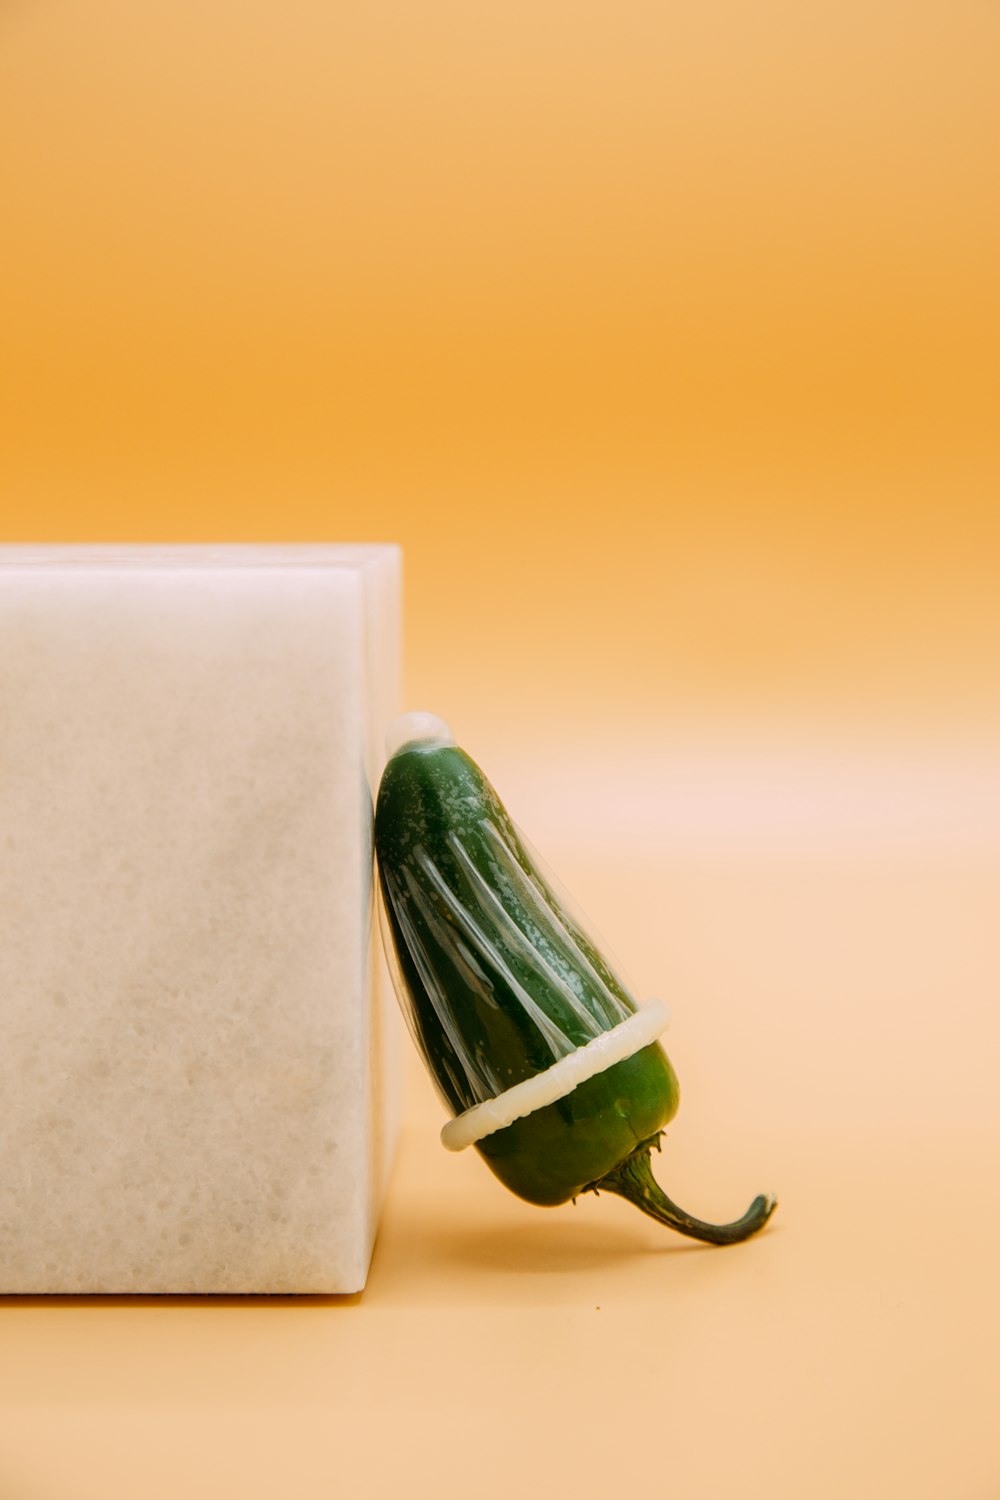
pixel 596 1056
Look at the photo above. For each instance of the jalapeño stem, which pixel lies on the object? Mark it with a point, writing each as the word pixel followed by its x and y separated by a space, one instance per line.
pixel 633 1179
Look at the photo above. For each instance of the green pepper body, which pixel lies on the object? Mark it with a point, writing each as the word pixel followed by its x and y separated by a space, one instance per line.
pixel 500 981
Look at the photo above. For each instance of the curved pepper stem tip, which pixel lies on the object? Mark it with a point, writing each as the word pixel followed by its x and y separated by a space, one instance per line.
pixel 634 1180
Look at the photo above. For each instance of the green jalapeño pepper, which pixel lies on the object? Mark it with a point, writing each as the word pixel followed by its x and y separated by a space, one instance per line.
pixel 537 1048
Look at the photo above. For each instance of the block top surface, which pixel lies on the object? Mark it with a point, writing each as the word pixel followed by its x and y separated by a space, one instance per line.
pixel 351 556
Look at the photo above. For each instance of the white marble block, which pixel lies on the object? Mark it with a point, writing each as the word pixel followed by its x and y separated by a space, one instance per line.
pixel 197 1073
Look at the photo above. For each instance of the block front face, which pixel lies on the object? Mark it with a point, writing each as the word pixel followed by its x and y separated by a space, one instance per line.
pixel 184 925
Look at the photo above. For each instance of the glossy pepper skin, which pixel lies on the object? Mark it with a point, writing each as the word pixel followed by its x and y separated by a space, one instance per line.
pixel 500 980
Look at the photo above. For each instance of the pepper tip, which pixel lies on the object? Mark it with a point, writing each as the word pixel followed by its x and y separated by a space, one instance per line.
pixel 417 726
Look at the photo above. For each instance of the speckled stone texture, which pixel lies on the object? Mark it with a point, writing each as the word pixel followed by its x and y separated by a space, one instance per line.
pixel 197 1039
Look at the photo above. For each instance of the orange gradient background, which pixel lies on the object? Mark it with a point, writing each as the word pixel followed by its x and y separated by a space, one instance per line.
pixel 666 340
